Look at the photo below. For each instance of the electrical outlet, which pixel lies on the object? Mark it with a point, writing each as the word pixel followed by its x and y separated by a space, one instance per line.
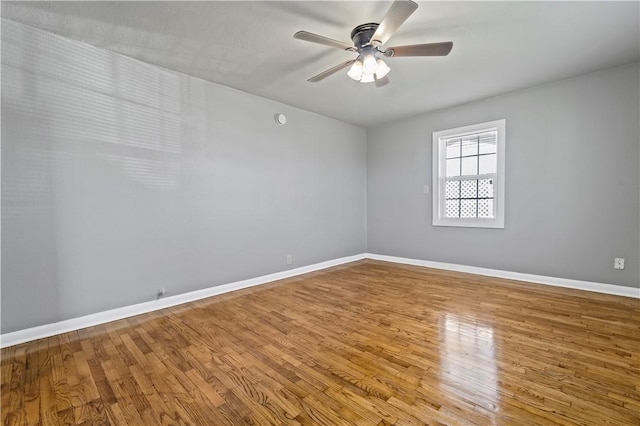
pixel 161 292
pixel 618 263
pixel 289 259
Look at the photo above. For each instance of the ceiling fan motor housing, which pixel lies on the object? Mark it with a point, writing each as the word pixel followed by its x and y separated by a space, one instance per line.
pixel 361 35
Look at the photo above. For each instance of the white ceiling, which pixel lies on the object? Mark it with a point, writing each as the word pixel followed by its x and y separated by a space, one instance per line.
pixel 498 46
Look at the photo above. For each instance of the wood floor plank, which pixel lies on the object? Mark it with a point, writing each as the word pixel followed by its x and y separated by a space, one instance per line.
pixel 367 343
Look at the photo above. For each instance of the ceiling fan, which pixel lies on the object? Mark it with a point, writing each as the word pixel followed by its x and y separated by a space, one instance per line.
pixel 367 42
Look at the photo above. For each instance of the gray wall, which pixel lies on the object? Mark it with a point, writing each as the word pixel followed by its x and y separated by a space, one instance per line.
pixel 571 189
pixel 119 178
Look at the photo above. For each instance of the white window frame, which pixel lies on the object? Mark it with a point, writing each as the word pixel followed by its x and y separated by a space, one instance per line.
pixel 439 176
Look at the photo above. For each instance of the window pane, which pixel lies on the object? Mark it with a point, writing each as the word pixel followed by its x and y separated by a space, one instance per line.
pixel 485 209
pixel 468 189
pixel 470 145
pixel 453 208
pixel 453 148
pixel 485 188
pixel 468 208
pixel 453 189
pixel 453 167
pixel 488 142
pixel 467 162
pixel 470 166
pixel 487 164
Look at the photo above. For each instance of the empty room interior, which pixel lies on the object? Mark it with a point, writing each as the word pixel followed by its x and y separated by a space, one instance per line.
pixel 320 213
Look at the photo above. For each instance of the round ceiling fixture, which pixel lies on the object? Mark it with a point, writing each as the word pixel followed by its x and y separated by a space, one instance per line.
pixel 280 119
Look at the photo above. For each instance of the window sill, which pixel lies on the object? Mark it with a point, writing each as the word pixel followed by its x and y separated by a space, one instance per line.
pixel 475 223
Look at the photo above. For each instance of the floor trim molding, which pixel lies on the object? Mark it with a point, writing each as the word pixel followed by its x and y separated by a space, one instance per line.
pixel 617 290
pixel 47 330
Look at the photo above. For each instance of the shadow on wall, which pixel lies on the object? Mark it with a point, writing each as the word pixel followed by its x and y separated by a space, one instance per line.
pixel 121 178
pixel 94 124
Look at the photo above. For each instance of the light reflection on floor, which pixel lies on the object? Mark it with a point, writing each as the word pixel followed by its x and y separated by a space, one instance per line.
pixel 468 363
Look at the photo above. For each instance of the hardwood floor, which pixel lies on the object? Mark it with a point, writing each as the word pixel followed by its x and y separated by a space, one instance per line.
pixel 368 343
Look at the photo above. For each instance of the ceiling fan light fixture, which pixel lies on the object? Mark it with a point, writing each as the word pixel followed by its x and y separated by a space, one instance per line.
pixel 355 72
pixel 382 70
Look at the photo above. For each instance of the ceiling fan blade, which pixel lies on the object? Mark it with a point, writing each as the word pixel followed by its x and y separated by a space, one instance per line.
pixel 381 82
pixel 330 71
pixel 428 49
pixel 315 38
pixel 399 11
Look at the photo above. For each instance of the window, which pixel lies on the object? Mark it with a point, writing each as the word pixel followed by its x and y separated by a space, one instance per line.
pixel 468 176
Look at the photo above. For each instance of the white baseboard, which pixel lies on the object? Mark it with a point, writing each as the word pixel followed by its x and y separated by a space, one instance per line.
pixel 47 330
pixel 617 290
